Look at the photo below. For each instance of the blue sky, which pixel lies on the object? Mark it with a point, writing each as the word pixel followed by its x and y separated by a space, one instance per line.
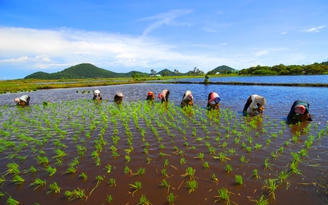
pixel 121 36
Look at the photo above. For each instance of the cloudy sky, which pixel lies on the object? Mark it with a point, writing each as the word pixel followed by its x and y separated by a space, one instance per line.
pixel 49 36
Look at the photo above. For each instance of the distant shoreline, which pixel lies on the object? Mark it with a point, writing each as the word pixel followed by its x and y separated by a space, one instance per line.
pixel 252 84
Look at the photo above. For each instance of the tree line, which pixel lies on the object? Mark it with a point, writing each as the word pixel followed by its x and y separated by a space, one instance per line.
pixel 281 69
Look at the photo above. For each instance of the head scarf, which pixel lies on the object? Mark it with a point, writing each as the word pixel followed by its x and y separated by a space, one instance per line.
pixel 217 99
pixel 300 109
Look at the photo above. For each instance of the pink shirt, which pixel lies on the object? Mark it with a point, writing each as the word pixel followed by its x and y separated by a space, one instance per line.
pixel 213 96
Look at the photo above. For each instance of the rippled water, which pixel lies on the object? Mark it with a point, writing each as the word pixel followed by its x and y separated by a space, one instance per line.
pixel 74 117
pixel 322 79
pixel 279 99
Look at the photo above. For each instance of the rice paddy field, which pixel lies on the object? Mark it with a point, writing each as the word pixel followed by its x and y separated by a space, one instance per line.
pixel 76 151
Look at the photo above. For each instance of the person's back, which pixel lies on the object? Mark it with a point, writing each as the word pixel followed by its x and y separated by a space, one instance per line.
pixel 23 101
pixel 187 99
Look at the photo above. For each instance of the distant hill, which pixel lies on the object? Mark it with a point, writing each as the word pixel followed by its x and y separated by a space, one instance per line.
pixel 166 72
pixel 84 70
pixel 223 69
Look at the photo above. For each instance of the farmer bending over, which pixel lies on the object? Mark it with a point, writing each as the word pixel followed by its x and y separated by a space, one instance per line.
pixel 96 95
pixel 299 112
pixel 118 98
pixel 150 96
pixel 164 95
pixel 187 99
pixel 252 101
pixel 23 101
pixel 213 101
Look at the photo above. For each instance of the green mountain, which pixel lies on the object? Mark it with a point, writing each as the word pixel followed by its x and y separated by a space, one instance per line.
pixel 84 70
pixel 223 69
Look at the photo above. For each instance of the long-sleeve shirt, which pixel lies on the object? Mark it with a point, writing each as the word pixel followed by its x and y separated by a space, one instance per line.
pixel 24 98
pixel 165 95
pixel 253 101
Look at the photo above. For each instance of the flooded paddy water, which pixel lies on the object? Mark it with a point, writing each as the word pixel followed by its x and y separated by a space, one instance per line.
pixel 75 151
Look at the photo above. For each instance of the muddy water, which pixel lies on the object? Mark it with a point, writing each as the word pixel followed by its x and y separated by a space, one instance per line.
pixel 157 138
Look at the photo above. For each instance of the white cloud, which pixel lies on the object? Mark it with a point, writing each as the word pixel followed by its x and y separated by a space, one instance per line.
pixel 164 19
pixel 314 29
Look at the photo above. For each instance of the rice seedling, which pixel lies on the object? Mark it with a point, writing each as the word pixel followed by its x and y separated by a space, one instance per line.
pixel 183 161
pixel 257 146
pixel 281 150
pixel 191 185
pixel 261 201
pixel 51 170
pixel 243 159
pixel 296 157
pixel 18 179
pixel 42 160
pixel 224 195
pixel 127 170
pixel 136 186
pixel 75 194
pixel 236 140
pixel 109 199
pixel 231 151
pixel 108 168
pixel 53 187
pixel 11 201
pixel 99 178
pixel 59 153
pixel 148 159
pixel 206 165
pixel 166 163
pixel 214 178
pixel 270 185
pixel 164 172
pixel 239 179
pixel 83 176
pixel 71 170
pixel 200 156
pixel 228 168
pixel 274 154
pixel 165 184
pixel 112 182
pixel 13 168
pixel 37 183
pixel 74 162
pixel 189 172
pixel 283 175
pixel 170 198
pixel 303 153
pixel 256 174
pixel 249 149
pixel 267 164
pixel 144 201
pixel 294 168
pixel 2 180
pixel 222 157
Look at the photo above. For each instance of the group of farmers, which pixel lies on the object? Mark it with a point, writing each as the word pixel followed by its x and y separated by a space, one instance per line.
pixel 299 111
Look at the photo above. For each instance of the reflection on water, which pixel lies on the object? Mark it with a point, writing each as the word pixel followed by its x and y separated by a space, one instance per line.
pixel 279 99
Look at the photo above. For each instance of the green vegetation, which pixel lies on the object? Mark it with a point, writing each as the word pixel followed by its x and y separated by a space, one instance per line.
pixel 281 69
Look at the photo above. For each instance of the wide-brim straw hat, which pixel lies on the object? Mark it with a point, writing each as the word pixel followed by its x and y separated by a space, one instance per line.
pixel 260 100
pixel 119 94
